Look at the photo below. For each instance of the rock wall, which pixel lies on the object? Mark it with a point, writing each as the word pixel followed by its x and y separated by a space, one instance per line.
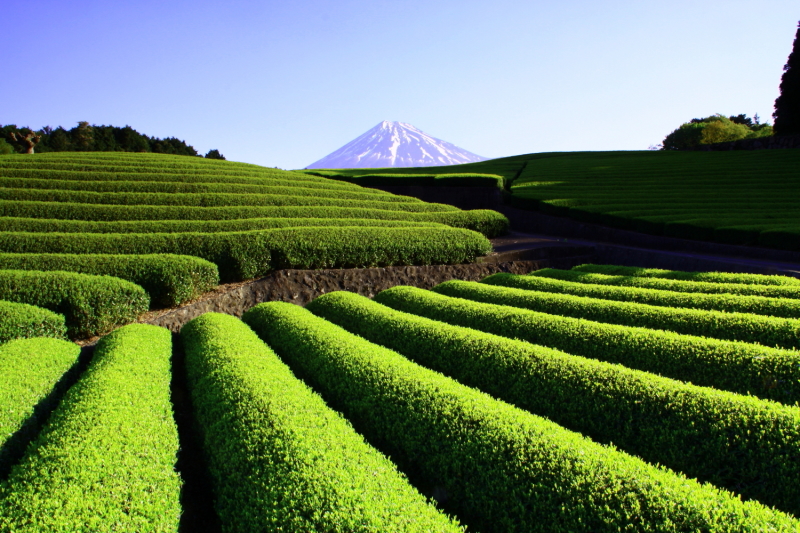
pixel 302 286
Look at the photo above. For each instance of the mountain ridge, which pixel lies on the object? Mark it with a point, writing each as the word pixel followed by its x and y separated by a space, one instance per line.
pixel 396 144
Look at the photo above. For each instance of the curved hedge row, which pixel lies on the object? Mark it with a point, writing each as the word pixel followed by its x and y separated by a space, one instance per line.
pixel 737 442
pixel 20 321
pixel 169 280
pixel 502 468
pixel 278 455
pixel 30 369
pixel 560 281
pixel 744 327
pixel 168 186
pixel 245 255
pixel 106 458
pixel 91 305
pixel 678 275
pixel 421 180
pixel 733 366
pixel 487 222
pixel 46 225
pixel 212 200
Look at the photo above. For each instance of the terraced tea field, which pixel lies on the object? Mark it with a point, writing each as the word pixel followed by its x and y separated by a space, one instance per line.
pixel 520 403
pixel 100 237
pixel 737 197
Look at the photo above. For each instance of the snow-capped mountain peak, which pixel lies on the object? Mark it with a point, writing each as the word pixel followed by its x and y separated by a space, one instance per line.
pixel 396 144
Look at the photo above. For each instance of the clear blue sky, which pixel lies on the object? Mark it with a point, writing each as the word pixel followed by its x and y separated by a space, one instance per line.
pixel 284 83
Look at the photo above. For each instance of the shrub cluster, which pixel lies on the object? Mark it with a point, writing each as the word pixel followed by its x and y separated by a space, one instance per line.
pixel 732 441
pixel 501 468
pixel 91 305
pixel 29 372
pixel 277 454
pixel 580 284
pixel 20 321
pixel 421 180
pixel 733 366
pixel 106 458
pixel 168 279
pixel 744 327
pixel 487 222
pixel 246 255
pixel 705 277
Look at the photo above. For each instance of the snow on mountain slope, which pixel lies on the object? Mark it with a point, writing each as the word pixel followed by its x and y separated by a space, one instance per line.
pixel 396 144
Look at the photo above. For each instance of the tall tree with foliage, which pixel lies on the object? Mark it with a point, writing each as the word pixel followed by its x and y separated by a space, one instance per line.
pixel 787 105
pixel 715 129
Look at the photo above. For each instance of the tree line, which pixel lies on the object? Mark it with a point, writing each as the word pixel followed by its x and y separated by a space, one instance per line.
pixel 91 138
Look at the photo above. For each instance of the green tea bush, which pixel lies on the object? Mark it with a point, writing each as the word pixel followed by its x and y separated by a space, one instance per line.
pixel 733 441
pixel 739 367
pixel 580 284
pixel 105 461
pixel 91 305
pixel 20 321
pixel 328 198
pixel 30 369
pixel 167 186
pixel 501 468
pixel 487 222
pixel 279 457
pixel 744 327
pixel 45 225
pixel 169 280
pixel 727 278
pixel 246 255
pixel 423 180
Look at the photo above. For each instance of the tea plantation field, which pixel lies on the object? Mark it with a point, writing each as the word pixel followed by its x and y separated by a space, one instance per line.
pixel 596 399
pixel 736 197
pixel 101 237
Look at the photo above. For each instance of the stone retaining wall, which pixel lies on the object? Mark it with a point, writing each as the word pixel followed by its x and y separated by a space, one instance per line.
pixel 302 286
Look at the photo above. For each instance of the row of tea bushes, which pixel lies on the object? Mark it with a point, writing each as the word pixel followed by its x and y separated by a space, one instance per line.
pixel 733 441
pixel 91 305
pixel 280 459
pixel 214 199
pixel 21 321
pixel 487 222
pixel 552 280
pixel 105 459
pixel 30 370
pixel 246 255
pixel 706 282
pixel 744 327
pixel 168 279
pixel 501 468
pixel 739 367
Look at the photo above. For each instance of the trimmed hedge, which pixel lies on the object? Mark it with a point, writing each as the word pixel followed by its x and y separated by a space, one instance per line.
pixel 502 468
pixel 30 369
pixel 166 185
pixel 20 321
pixel 279 457
pixel 169 279
pixel 490 223
pixel 733 441
pixel 44 225
pixel 91 305
pixel 739 367
pixel 246 255
pixel 710 277
pixel 561 281
pixel 106 458
pixel 744 327
pixel 422 180
pixel 328 198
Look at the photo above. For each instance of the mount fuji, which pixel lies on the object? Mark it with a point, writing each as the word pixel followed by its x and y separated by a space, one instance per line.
pixel 396 144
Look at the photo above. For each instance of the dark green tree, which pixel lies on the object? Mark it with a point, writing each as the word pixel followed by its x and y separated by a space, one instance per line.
pixel 214 154
pixel 787 105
